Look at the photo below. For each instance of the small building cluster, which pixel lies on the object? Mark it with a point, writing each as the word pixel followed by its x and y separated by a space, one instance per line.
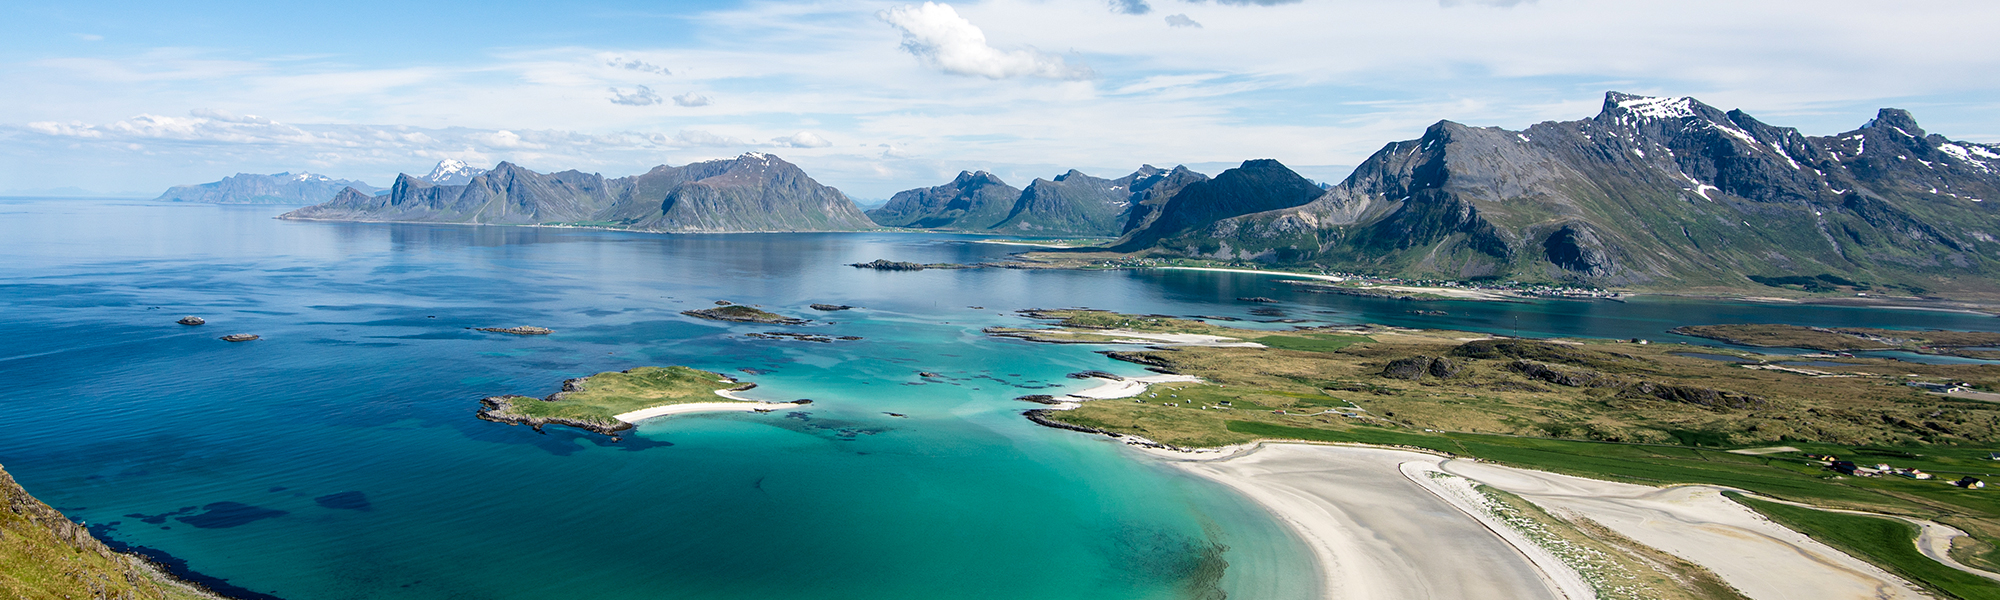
pixel 1850 468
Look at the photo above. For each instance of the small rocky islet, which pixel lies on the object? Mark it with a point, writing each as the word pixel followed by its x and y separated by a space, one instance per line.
pixel 742 314
pixel 522 330
pixel 593 403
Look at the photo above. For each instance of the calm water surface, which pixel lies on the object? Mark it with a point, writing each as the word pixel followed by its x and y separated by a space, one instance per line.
pixel 338 456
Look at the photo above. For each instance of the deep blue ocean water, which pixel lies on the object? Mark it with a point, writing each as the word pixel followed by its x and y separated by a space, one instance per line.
pixel 338 457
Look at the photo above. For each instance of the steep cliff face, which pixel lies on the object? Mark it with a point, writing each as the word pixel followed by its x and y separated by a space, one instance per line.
pixel 1651 190
pixel 972 201
pixel 45 555
pixel 753 192
pixel 277 188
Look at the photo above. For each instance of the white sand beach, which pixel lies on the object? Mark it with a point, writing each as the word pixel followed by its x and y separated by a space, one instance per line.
pixel 1381 527
pixel 1130 387
pixel 1127 336
pixel 739 404
pixel 1375 533
pixel 1760 558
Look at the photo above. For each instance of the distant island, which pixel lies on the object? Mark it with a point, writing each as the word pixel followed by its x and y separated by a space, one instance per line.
pixel 612 401
pixel 276 188
pixel 755 192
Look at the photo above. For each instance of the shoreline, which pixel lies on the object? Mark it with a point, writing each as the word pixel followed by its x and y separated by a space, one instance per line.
pixel 1257 272
pixel 1310 488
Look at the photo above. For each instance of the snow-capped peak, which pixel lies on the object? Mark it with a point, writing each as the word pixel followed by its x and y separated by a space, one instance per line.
pixel 452 171
pixel 758 156
pixel 1658 108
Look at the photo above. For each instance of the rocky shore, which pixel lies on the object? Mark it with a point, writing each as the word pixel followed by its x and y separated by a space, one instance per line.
pixel 500 409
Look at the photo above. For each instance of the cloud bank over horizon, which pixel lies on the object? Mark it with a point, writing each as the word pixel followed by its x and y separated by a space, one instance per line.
pixel 878 96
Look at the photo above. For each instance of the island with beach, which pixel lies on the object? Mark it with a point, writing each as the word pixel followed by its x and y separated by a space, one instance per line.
pixel 1601 468
pixel 612 401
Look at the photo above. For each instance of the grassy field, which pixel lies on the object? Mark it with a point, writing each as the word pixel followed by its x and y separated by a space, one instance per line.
pixel 1620 411
pixel 598 397
pixel 1887 543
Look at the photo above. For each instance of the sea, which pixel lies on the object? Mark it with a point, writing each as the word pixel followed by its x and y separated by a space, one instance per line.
pixel 339 457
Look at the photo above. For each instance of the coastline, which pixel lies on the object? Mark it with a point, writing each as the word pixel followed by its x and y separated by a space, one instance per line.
pixel 1257 272
pixel 1337 500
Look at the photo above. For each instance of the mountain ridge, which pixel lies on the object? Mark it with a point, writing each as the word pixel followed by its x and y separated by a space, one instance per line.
pixel 754 192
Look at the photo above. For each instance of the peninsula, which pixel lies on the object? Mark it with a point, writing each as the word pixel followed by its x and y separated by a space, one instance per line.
pixel 1609 411
pixel 612 401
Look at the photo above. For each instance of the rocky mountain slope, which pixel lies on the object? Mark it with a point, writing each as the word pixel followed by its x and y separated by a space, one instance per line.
pixel 1651 191
pixel 45 555
pixel 1071 204
pixel 276 188
pixel 753 192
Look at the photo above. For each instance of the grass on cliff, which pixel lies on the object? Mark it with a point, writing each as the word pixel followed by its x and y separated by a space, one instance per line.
pixel 38 563
pixel 607 394
pixel 1886 543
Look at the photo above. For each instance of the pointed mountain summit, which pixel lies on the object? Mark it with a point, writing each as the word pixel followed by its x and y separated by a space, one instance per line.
pixel 972 201
pixel 1648 191
pixel 276 188
pixel 753 192
pixel 452 171
pixel 1256 186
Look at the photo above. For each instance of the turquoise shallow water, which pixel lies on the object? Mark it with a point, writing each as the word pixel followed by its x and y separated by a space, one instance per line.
pixel 338 457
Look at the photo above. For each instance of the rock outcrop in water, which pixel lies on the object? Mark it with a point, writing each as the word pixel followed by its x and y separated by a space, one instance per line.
pixel 752 192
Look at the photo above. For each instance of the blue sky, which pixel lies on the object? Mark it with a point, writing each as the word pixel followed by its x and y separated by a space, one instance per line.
pixel 878 96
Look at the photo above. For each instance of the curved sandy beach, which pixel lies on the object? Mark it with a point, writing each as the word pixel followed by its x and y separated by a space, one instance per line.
pixel 1381 526
pixel 738 403
pixel 1760 558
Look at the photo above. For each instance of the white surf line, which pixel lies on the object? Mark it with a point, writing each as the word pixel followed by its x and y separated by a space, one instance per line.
pixel 1459 492
pixel 1257 272
pixel 741 404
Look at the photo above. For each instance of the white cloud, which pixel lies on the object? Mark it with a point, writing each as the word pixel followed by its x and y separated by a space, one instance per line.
pixel 691 99
pixel 643 96
pixel 1182 20
pixel 633 64
pixel 803 139
pixel 1131 7
pixel 942 40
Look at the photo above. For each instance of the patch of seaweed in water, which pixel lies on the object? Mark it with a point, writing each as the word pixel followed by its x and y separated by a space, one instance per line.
pixel 176 566
pixel 223 515
pixel 1197 563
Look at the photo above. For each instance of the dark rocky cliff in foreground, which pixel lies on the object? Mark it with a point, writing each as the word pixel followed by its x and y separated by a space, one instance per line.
pixel 276 188
pixel 753 192
pixel 1651 191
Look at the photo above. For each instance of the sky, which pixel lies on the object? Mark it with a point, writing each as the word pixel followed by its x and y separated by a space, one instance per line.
pixel 876 96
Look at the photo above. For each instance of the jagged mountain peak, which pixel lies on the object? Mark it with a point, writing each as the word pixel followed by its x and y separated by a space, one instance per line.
pixel 1896 119
pixel 452 171
pixel 1650 107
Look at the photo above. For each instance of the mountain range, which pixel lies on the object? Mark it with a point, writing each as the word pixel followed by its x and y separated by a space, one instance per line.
pixel 752 192
pixel 1072 204
pixel 276 188
pixel 1651 191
